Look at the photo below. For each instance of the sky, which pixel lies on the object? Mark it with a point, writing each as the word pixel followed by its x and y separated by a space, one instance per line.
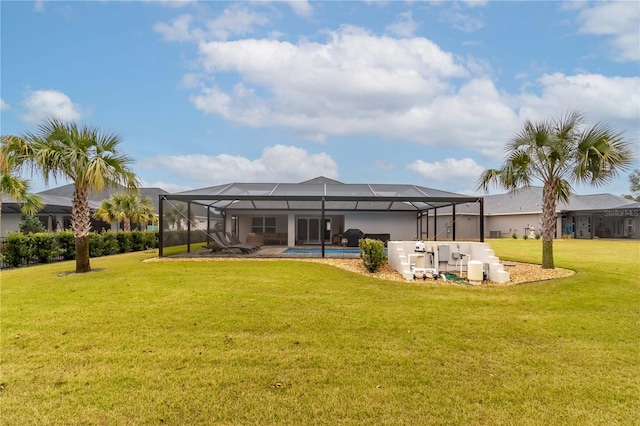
pixel 406 92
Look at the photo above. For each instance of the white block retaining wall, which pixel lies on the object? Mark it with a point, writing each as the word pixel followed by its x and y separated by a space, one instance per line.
pixel 399 259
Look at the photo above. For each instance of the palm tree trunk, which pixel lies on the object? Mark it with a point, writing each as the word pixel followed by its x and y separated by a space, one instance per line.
pixel 81 225
pixel 127 224
pixel 549 197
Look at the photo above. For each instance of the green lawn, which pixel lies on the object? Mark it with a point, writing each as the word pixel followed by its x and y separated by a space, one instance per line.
pixel 301 343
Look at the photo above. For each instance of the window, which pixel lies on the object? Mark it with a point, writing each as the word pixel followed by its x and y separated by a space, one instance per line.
pixel 260 224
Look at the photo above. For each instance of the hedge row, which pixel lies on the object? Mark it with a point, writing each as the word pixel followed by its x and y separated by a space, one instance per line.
pixel 27 249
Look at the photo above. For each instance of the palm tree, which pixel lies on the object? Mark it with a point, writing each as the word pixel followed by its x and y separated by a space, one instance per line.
pixel 126 208
pixel 11 149
pixel 88 157
pixel 176 216
pixel 559 153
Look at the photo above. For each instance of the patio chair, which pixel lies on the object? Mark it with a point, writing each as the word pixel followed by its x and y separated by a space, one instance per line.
pixel 223 237
pixel 235 240
pixel 221 246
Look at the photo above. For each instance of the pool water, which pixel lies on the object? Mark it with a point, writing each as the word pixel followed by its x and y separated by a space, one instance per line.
pixel 318 251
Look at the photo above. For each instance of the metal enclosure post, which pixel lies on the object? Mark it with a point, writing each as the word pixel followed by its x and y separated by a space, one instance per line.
pixel 188 227
pixel 435 224
pixel 453 221
pixel 160 224
pixel 482 220
pixel 322 227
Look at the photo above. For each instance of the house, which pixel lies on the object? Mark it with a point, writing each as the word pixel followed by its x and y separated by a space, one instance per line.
pixel 520 213
pixel 319 211
pixel 56 214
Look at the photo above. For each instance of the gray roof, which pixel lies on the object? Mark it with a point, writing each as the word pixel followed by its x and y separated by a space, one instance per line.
pixel 311 194
pixel 603 201
pixel 53 204
pixel 66 191
pixel 529 201
pixel 59 200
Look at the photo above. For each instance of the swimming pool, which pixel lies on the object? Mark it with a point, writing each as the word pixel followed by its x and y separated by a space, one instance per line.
pixel 318 251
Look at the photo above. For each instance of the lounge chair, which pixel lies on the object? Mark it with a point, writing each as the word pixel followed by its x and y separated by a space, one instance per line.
pixel 235 240
pixel 221 246
pixel 222 236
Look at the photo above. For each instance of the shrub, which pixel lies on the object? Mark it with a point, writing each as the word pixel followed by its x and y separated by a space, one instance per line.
pixel 537 236
pixel 125 241
pixel 44 247
pixel 372 253
pixel 67 244
pixel 150 239
pixel 16 250
pixel 110 244
pixel 31 225
pixel 96 245
pixel 525 236
pixel 514 236
pixel 137 241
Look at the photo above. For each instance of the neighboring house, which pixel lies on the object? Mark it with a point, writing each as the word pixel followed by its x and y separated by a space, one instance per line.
pixel 520 213
pixel 604 222
pixel 582 217
pixel 56 214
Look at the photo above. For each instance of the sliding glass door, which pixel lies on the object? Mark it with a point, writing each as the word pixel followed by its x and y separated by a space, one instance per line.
pixel 309 230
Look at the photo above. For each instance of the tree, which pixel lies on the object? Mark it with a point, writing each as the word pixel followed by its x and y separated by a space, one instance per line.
pixel 634 186
pixel 558 153
pixel 11 159
pixel 31 225
pixel 88 157
pixel 176 216
pixel 126 208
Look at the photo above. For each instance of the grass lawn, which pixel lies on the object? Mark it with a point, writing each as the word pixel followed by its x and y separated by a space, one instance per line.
pixel 288 342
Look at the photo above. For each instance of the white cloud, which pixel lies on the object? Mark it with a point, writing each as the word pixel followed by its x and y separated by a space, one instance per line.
pixel 278 163
pixel 174 4
pixel 384 165
pixel 167 186
pixel 355 83
pixel 461 21
pixel 4 106
pixel 359 83
pixel 404 26
pixel 178 30
pixel 621 21
pixel 42 104
pixel 613 100
pixel 475 3
pixel 301 8
pixel 449 170
pixel 237 19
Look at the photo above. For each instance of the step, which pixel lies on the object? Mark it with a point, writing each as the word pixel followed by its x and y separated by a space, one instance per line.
pixel 499 277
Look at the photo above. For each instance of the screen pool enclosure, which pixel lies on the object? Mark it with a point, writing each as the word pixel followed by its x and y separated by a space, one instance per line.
pixel 320 196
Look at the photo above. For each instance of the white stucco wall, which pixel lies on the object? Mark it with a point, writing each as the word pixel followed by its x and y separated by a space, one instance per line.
pixel 10 222
pixel 507 224
pixel 467 227
pixel 400 226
